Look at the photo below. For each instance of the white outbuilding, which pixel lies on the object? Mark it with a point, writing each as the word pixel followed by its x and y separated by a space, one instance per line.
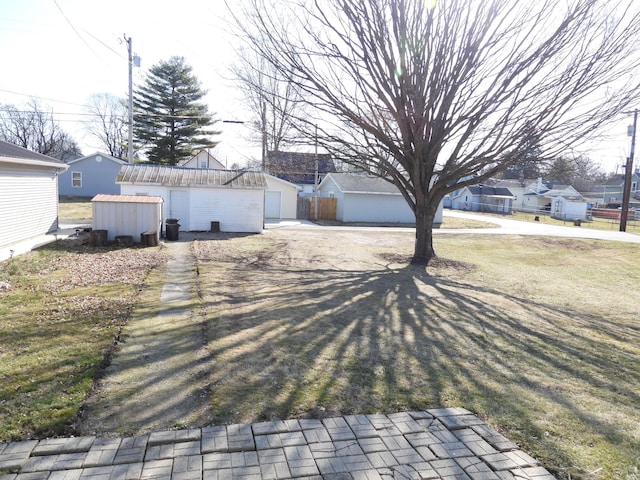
pixel 127 215
pixel 233 200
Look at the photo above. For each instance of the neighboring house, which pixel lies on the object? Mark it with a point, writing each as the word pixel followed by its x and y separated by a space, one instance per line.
pixel 91 175
pixel 203 159
pixel 483 198
pixel 280 198
pixel 197 197
pixel 28 193
pixel 614 188
pixel 545 197
pixel 364 198
pixel 300 168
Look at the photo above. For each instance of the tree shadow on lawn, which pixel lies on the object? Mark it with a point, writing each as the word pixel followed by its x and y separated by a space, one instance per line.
pixel 295 343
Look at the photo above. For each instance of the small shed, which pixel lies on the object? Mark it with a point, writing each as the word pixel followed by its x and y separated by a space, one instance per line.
pixel 91 175
pixel 122 215
pixel 568 209
pixel 280 198
pixel 198 198
pixel 364 198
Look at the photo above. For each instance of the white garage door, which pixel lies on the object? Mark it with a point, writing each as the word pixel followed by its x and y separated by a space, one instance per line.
pixel 272 204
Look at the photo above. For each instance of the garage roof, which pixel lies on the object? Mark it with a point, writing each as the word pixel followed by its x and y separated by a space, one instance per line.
pixel 362 183
pixel 185 177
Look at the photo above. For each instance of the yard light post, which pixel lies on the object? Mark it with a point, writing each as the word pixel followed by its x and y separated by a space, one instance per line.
pixel 626 193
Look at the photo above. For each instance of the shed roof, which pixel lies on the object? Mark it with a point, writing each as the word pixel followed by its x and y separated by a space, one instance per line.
pixel 186 177
pixel 362 183
pixel 11 153
pixel 103 197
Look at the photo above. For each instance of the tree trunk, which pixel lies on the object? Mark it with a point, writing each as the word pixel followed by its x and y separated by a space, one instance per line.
pixel 423 251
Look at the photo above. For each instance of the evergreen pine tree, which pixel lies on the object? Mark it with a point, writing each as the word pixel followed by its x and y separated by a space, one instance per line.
pixel 171 123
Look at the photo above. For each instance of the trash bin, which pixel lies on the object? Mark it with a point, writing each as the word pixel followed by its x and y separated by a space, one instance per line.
pixel 172 229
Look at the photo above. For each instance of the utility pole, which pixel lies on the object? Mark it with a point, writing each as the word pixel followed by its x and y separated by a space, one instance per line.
pixel 626 193
pixel 130 139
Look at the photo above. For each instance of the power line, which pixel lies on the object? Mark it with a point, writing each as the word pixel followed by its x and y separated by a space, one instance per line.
pixel 40 98
pixel 76 31
pixel 104 44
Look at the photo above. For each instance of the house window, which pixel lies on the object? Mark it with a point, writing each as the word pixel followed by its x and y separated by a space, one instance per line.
pixel 76 179
pixel 634 186
pixel 203 163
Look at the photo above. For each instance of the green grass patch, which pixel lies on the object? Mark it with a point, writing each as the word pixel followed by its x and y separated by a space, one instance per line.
pixel 75 208
pixel 58 321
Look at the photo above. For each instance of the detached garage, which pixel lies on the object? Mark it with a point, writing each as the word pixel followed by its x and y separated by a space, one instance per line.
pixel 364 198
pixel 198 197
pixel 280 198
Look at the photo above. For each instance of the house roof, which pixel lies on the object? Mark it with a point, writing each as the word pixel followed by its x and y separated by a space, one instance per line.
pixel 185 177
pixel 361 183
pixel 198 155
pixel 617 180
pixel 10 153
pixel 103 197
pixel 490 191
pixel 100 154
pixel 299 167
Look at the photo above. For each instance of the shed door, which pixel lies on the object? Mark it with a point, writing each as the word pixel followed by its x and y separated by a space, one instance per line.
pixel 272 204
pixel 179 207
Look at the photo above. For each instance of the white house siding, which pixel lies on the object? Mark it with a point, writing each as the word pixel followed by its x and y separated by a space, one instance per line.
pixel 376 208
pixel 122 215
pixel 28 202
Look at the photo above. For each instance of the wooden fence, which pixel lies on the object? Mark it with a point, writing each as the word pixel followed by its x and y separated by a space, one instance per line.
pixel 326 209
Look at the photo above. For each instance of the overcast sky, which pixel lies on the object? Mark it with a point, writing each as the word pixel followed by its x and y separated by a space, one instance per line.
pixel 62 51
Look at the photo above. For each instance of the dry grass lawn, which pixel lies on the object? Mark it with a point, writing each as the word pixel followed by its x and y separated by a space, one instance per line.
pixel 538 336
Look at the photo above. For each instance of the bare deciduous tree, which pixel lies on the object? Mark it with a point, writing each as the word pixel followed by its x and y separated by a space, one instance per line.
pixel 110 124
pixel 426 93
pixel 33 127
pixel 273 99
